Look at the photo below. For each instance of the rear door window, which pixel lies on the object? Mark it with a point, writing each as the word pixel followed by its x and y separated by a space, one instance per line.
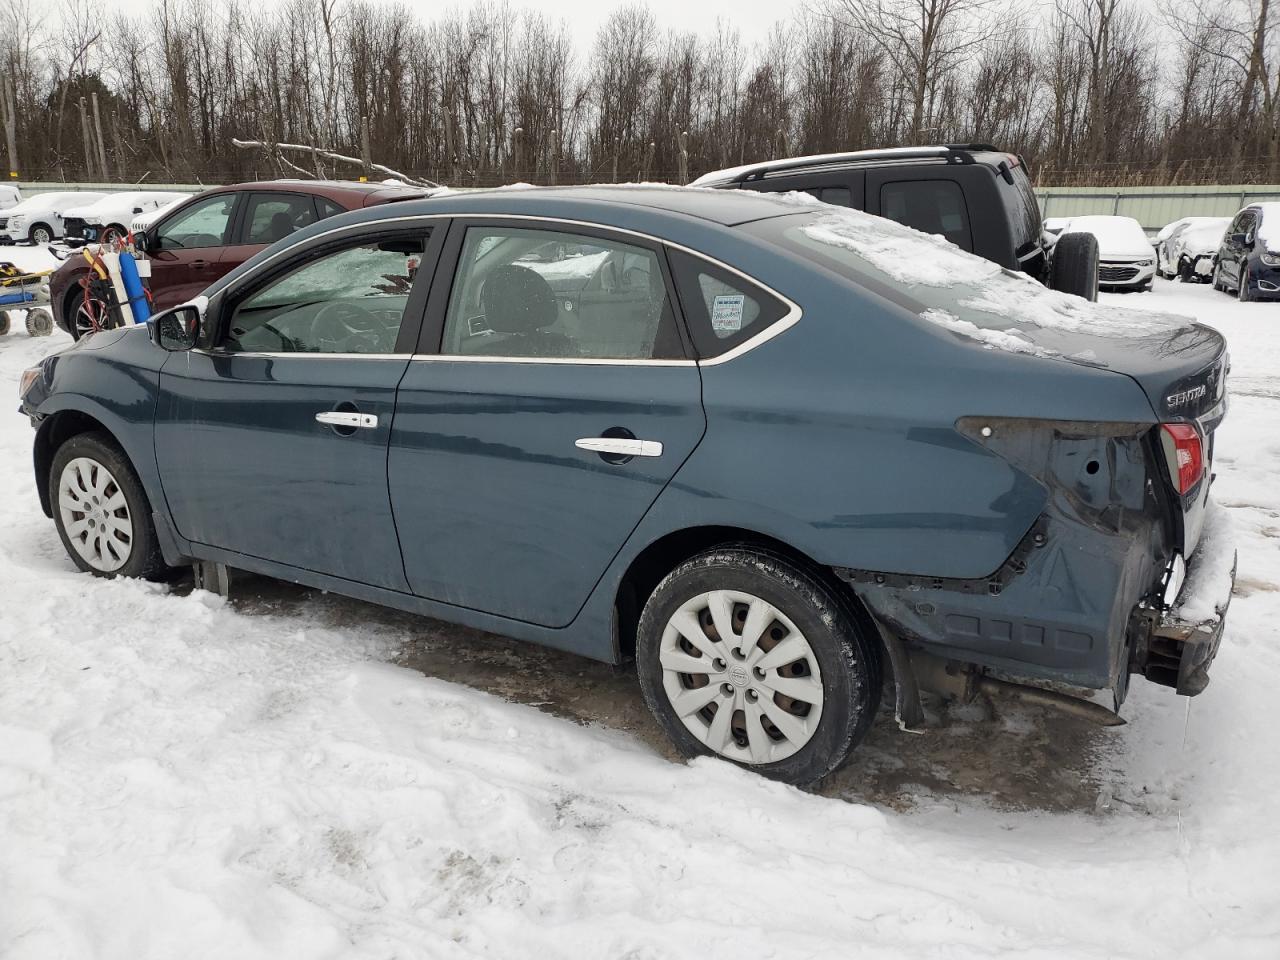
pixel 838 196
pixel 723 309
pixel 273 216
pixel 931 206
pixel 550 294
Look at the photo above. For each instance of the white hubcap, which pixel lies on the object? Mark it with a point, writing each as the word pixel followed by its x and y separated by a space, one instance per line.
pixel 95 514
pixel 741 677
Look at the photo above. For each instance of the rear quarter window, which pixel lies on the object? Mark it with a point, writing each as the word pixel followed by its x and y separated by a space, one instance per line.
pixel 723 309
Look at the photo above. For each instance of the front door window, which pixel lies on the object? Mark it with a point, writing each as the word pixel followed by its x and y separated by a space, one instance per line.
pixel 347 301
pixel 203 224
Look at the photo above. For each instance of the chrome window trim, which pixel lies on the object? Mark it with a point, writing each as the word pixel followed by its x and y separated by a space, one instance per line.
pixel 579 361
pixel 779 326
pixel 298 354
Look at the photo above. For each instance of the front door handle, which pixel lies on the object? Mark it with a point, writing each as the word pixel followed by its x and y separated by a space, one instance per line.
pixel 345 418
pixel 621 446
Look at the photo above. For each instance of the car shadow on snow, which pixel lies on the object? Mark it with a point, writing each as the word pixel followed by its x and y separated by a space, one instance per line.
pixel 1007 755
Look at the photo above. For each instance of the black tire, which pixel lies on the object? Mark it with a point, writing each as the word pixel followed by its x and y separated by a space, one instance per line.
pixel 144 559
pixel 39 322
pixel 1075 265
pixel 848 658
pixel 1217 278
pixel 4 322
pixel 1146 287
pixel 1243 293
pixel 40 233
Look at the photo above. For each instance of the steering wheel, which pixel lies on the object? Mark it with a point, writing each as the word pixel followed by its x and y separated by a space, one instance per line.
pixel 344 324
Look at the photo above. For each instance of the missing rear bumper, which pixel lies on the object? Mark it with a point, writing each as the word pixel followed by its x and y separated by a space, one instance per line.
pixel 1182 641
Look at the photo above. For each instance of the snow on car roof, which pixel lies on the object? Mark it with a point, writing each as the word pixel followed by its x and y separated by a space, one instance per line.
pixel 1204 235
pixel 1117 236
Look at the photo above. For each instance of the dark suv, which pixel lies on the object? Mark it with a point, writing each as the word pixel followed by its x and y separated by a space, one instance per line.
pixel 976 196
pixel 1248 260
pixel 213 233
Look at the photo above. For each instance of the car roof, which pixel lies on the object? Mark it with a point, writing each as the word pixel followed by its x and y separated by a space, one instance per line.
pixel 960 153
pixel 724 207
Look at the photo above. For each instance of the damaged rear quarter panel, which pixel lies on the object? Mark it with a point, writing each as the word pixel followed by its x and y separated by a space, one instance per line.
pixel 1060 606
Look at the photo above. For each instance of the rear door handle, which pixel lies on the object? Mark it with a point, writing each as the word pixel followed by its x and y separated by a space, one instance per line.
pixel 621 446
pixel 343 418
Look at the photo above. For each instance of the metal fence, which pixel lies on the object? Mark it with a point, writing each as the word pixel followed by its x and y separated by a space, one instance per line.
pixel 1152 207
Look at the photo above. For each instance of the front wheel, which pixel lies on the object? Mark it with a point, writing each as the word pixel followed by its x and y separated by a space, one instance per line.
pixel 743 655
pixel 1243 292
pixel 101 511
pixel 41 233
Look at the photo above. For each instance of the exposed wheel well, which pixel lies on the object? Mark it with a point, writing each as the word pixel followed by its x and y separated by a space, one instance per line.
pixel 666 553
pixel 54 432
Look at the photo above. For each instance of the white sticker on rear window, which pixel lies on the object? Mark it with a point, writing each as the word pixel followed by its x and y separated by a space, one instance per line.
pixel 726 313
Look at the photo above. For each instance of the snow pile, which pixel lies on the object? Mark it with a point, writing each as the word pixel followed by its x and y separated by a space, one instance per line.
pixel 1009 340
pixel 906 255
pixel 1117 236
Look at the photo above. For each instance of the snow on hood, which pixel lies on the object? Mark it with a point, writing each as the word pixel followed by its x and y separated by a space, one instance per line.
pixel 1117 236
pixel 968 295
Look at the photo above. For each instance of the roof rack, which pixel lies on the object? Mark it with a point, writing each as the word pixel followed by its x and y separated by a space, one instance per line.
pixel 951 152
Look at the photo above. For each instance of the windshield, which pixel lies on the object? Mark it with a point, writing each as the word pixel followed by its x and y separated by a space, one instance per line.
pixel 959 291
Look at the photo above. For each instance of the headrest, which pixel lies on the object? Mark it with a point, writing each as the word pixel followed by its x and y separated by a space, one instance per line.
pixel 517 300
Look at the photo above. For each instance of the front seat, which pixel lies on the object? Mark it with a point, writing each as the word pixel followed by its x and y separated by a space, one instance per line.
pixel 280 227
pixel 520 304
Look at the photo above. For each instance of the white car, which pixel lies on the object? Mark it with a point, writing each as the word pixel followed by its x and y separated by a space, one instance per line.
pixel 141 221
pixel 114 212
pixel 39 218
pixel 1125 257
pixel 10 196
pixel 1188 251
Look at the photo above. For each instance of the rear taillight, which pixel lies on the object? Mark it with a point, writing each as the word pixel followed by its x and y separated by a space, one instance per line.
pixel 1184 452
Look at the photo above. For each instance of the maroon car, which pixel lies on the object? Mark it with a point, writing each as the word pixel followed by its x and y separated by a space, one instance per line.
pixel 215 231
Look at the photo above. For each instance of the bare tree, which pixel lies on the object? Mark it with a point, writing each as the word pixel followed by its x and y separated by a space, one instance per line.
pixel 924 41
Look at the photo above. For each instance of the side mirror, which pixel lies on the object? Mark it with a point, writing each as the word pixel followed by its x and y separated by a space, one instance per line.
pixel 1237 240
pixel 178 328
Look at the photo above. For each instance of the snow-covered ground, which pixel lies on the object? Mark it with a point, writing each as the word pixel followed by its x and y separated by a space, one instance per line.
pixel 183 777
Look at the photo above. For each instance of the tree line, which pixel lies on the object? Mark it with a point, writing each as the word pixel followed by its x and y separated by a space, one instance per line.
pixel 1091 92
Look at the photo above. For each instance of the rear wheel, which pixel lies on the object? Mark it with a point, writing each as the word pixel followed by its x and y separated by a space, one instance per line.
pixel 101 511
pixel 743 655
pixel 1075 265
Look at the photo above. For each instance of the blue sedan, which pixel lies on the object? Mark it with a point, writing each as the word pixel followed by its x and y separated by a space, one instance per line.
pixel 771 451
